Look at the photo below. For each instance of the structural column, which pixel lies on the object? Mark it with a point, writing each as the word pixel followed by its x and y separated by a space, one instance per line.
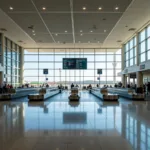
pixel 21 64
pixel 137 50
pixel 139 76
pixel 128 78
pixel 133 81
pixel 123 66
pixel 123 80
pixel 2 58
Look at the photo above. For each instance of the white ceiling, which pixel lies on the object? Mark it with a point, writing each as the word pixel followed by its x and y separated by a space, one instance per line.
pixel 67 15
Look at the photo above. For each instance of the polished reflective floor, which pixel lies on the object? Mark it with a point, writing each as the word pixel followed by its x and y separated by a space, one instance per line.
pixel 91 124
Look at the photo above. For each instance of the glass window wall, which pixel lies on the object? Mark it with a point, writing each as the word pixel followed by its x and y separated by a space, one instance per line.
pixel 144 43
pixel 35 60
pixel 12 63
pixel 130 52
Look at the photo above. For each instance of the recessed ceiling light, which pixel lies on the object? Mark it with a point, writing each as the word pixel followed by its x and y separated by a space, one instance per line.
pixel 116 7
pixel 33 31
pixel 84 8
pixel 56 34
pixel 44 8
pixel 11 8
pixel 105 30
pixel 81 31
pixel 34 34
pixel 91 31
pixel 66 31
pixel 81 34
pixel 99 8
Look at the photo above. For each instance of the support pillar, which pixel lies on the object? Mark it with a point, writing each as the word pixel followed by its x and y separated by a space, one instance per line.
pixel 21 65
pixel 133 81
pixel 123 80
pixel 2 57
pixel 128 78
pixel 139 76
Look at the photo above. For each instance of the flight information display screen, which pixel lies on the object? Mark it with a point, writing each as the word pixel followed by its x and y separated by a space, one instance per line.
pixel 74 63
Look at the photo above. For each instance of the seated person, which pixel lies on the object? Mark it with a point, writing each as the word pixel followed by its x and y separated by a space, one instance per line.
pixel 90 86
pixel 72 85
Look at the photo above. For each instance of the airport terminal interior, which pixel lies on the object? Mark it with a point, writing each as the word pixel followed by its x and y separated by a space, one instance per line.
pixel 75 75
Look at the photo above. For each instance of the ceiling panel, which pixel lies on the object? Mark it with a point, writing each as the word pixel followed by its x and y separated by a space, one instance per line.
pixel 28 20
pixel 94 38
pixel 53 5
pixel 18 5
pixel 57 17
pixel 90 21
pixel 107 5
pixel 64 38
pixel 58 23
pixel 43 39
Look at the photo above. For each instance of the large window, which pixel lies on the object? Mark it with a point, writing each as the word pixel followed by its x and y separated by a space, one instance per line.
pixel 12 63
pixel 144 44
pixel 35 60
pixel 130 52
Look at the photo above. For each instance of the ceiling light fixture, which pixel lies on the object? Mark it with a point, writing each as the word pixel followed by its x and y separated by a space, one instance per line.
pixel 89 42
pixel 84 8
pixel 91 31
pixel 116 7
pixel 33 31
pixel 66 31
pixel 44 8
pixel 81 34
pixel 34 34
pixel 56 34
pixel 81 31
pixel 105 30
pixel 11 8
pixel 100 8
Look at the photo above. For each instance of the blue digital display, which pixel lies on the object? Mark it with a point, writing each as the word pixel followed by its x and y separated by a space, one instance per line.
pixel 74 63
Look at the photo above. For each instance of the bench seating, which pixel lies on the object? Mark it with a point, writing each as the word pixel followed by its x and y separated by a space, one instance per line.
pixel 104 95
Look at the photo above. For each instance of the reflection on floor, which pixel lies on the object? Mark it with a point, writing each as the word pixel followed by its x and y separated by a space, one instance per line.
pixel 56 124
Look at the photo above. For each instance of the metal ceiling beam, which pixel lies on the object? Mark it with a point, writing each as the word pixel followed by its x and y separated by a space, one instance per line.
pixel 72 21
pixel 43 21
pixel 66 12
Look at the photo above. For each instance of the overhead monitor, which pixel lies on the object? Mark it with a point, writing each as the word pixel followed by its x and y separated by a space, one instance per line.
pixel 74 63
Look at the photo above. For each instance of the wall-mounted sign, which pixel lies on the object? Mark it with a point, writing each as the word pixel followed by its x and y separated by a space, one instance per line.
pixel 99 71
pixel 45 71
pixel 142 66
